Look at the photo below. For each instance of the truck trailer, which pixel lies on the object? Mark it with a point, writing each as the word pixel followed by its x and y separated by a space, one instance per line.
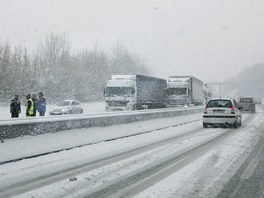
pixel 184 90
pixel 134 92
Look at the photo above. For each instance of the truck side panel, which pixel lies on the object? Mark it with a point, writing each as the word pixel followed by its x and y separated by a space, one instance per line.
pixel 197 91
pixel 150 91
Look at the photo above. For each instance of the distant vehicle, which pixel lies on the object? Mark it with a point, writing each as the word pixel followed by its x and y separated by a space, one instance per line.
pixel 222 112
pixel 208 93
pixel 248 104
pixel 132 92
pixel 66 107
pixel 258 100
pixel 184 90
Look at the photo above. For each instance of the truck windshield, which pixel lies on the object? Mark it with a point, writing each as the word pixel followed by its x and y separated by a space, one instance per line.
pixel 118 91
pixel 176 91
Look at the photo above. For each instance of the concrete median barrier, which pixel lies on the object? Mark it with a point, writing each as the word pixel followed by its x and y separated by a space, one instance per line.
pixel 35 126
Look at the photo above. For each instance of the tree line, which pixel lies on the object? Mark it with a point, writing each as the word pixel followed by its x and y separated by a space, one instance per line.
pixel 53 68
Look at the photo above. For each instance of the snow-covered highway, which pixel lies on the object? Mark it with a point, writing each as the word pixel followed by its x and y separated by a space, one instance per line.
pixel 170 157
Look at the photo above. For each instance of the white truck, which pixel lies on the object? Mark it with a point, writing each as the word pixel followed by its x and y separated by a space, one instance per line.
pixel 132 92
pixel 184 90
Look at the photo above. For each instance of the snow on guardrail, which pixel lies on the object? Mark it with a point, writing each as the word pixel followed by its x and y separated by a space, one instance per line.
pixel 35 126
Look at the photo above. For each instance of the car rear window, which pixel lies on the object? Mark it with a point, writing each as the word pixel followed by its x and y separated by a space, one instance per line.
pixel 246 100
pixel 63 103
pixel 220 103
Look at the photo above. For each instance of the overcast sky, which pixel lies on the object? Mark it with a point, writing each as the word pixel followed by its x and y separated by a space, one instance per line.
pixel 210 39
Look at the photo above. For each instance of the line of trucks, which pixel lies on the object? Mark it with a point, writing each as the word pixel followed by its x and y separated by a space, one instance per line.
pixel 135 92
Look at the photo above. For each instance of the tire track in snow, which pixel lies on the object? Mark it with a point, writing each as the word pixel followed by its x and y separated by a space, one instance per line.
pixel 62 174
pixel 88 144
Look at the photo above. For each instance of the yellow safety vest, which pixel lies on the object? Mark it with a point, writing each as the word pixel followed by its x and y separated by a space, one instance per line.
pixel 31 109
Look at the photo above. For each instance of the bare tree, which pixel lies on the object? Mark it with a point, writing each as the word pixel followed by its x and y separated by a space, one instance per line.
pixel 55 70
pixel 124 61
pixel 53 54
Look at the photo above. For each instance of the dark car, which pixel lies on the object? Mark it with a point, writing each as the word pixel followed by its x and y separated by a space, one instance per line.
pixel 248 104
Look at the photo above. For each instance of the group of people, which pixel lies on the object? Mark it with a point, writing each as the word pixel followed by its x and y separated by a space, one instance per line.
pixel 33 104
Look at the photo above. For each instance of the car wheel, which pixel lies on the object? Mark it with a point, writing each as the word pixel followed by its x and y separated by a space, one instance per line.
pixel 81 111
pixel 235 125
pixel 70 112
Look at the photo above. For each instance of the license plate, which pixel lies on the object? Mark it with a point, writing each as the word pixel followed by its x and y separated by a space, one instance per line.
pixel 218 111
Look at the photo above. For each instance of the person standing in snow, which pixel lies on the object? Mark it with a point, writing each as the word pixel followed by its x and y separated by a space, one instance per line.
pixel 41 104
pixel 35 100
pixel 29 106
pixel 15 107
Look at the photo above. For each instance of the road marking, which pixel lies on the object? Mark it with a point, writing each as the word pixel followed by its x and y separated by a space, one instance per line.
pixel 249 170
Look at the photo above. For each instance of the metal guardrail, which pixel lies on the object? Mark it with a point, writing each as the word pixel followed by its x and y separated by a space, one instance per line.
pixel 36 126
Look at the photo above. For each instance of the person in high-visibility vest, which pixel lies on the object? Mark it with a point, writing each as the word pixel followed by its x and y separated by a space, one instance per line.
pixel 29 106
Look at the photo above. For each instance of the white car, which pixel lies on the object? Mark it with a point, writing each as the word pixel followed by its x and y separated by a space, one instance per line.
pixel 222 112
pixel 66 107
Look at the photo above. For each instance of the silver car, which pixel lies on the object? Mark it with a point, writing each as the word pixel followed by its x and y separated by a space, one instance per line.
pixel 66 107
pixel 222 112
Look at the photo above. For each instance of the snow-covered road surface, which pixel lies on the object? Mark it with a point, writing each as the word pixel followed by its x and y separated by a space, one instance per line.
pixel 170 160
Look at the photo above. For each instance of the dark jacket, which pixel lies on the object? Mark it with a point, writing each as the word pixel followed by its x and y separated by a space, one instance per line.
pixel 41 104
pixel 15 106
pixel 35 100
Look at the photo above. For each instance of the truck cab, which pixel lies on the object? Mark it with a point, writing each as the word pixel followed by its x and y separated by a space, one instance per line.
pixel 184 90
pixel 120 93
pixel 177 93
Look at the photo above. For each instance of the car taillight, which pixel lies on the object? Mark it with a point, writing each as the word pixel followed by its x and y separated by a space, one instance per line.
pixel 205 110
pixel 233 110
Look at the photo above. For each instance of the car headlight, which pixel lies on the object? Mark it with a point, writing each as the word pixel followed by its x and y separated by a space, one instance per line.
pixel 51 110
pixel 64 110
